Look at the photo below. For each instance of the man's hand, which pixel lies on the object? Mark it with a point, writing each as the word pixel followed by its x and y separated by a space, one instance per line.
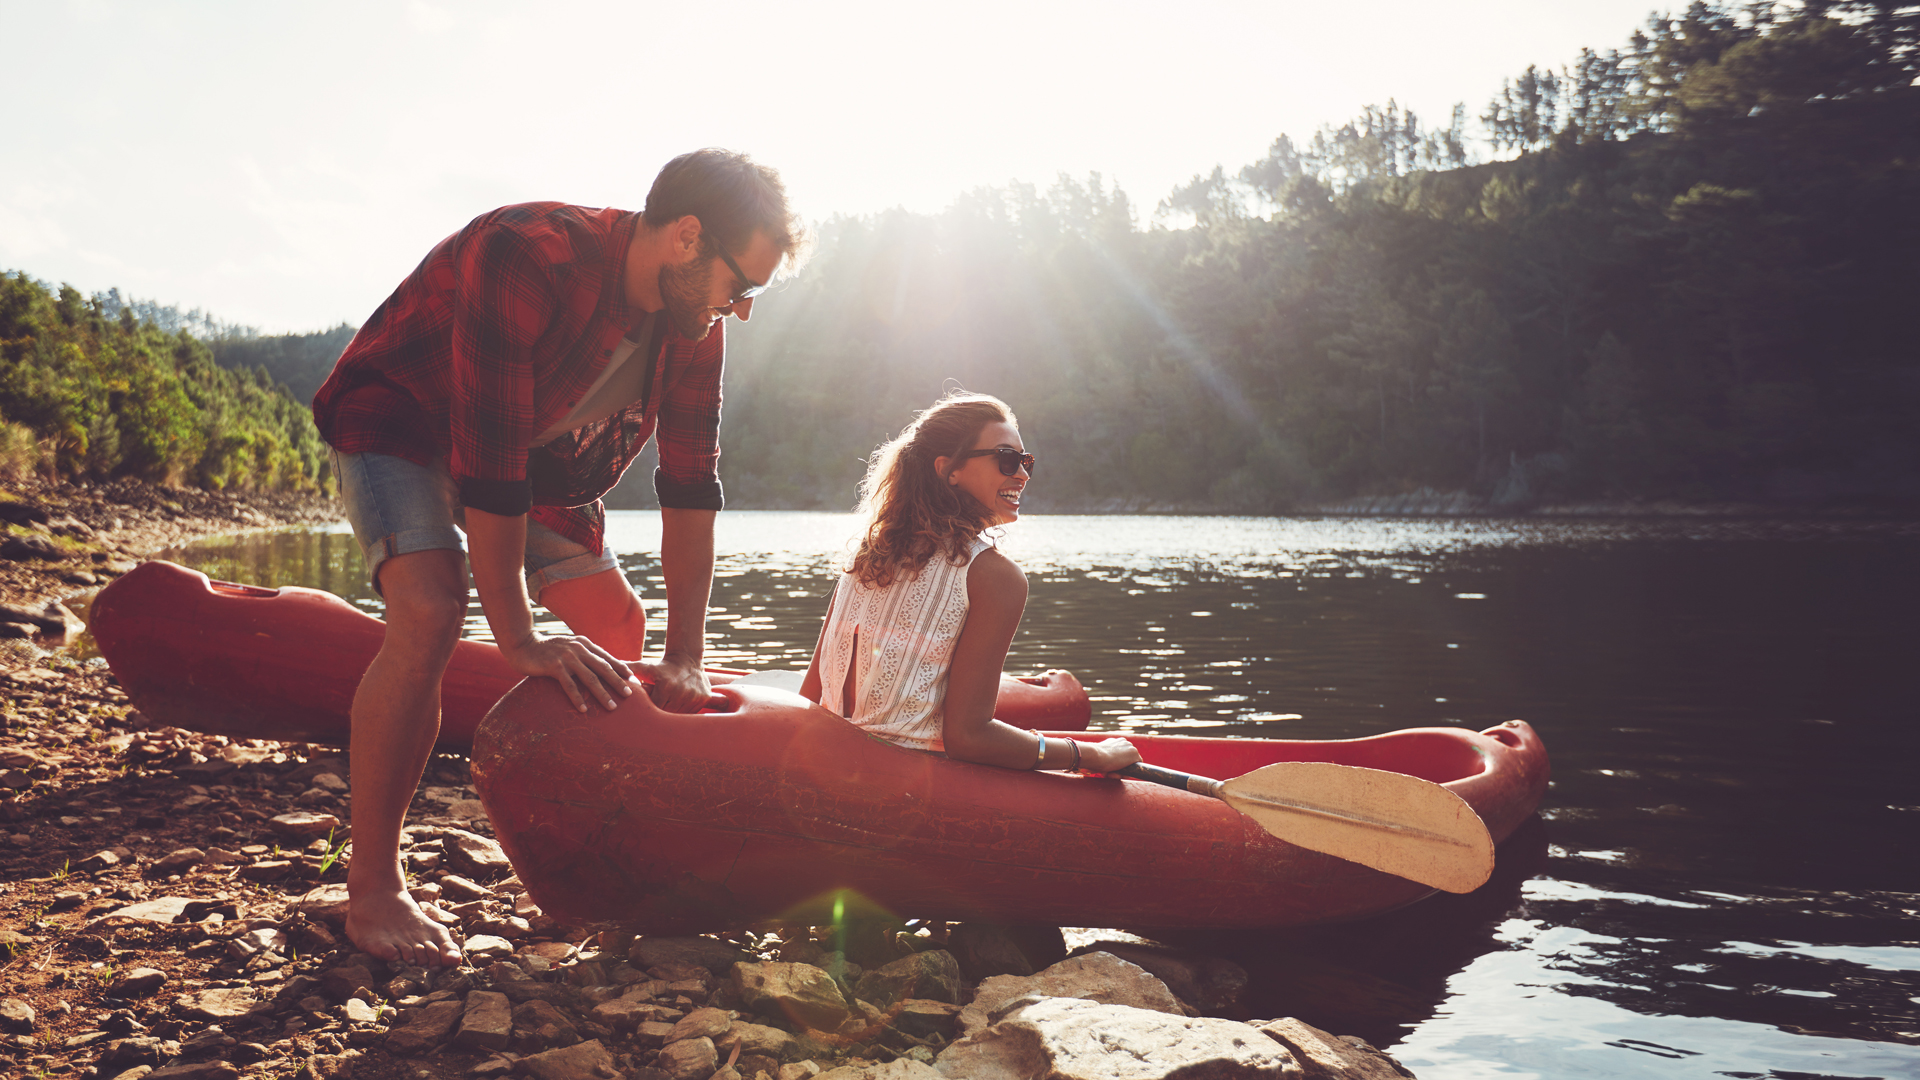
pixel 677 683
pixel 583 670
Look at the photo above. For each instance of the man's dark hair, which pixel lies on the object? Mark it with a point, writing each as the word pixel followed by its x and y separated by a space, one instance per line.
pixel 731 195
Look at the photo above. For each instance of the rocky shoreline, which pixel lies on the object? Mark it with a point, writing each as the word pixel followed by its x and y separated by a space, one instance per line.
pixel 171 909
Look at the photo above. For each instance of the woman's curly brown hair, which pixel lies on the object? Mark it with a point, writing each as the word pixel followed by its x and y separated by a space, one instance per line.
pixel 912 513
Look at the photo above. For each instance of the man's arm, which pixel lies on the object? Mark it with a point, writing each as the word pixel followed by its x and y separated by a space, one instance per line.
pixel 686 561
pixel 496 546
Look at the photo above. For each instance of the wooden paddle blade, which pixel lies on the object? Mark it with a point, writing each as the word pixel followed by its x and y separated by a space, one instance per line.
pixel 1403 825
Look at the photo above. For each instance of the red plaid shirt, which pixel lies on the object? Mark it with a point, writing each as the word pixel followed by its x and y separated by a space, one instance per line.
pixel 494 338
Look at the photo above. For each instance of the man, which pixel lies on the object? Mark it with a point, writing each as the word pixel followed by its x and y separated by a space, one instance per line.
pixel 503 388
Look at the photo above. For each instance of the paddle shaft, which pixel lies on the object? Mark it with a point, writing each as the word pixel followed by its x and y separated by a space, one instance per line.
pixel 1201 785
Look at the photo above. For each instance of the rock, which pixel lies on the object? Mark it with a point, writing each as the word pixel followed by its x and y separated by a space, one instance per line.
pixel 358 1012
pixel 17 1016
pixel 759 1040
pixel 1076 1039
pixel 1329 1057
pixel 216 1005
pixel 22 548
pixel 178 862
pixel 899 1069
pixel 487 1023
pixel 510 927
pixel 583 1061
pixel 459 890
pixel 717 957
pixel 466 810
pixel 674 972
pixel 798 1070
pixel 342 981
pixel 802 993
pixel 933 975
pixel 329 782
pixel 1100 977
pixel 689 1059
pixel 652 1033
pixel 266 870
pixel 137 983
pixel 303 825
pixel 621 1014
pixel 99 860
pixel 254 942
pixel 988 949
pixel 1208 983
pixel 160 909
pixel 524 989
pixel 488 947
pixel 199 1070
pixel 701 1023
pixel 23 512
pixel 542 1022
pixel 140 1050
pixel 476 855
pixel 328 903
pixel 427 1030
pixel 922 1019
pixel 328 1067
pixel 551 951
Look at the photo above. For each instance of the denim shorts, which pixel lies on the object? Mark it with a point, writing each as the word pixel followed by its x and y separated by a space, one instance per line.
pixel 397 508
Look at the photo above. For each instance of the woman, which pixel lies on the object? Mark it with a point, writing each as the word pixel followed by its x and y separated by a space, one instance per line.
pixel 920 623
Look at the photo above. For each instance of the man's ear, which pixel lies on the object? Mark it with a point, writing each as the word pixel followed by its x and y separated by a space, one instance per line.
pixel 686 237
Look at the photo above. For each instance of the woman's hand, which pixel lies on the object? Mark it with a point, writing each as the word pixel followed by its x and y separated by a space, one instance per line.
pixel 1111 755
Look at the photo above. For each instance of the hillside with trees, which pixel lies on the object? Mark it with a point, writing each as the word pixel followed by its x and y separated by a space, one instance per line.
pixel 90 388
pixel 1680 269
pixel 1692 282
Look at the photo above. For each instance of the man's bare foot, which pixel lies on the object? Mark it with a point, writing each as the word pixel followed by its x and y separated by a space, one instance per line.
pixel 388 924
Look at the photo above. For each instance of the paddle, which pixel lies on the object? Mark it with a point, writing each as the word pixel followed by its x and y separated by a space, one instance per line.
pixel 1403 825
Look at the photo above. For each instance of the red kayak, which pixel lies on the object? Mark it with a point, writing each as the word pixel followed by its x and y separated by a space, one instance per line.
pixel 768 807
pixel 283 663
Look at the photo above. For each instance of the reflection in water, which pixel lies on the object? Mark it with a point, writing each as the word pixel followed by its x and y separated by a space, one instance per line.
pixel 1722 882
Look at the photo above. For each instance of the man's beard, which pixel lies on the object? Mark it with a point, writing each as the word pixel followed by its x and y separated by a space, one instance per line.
pixel 684 290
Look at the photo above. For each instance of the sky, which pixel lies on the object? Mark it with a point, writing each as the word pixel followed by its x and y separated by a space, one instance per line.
pixel 283 166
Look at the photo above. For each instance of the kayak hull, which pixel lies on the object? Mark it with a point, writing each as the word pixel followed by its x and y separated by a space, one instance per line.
pixel 771 808
pixel 284 663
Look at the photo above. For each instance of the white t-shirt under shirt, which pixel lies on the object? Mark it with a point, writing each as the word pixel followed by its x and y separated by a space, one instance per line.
pixel 906 636
pixel 619 385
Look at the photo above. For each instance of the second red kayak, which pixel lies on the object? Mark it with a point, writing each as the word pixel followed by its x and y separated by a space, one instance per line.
pixel 283 663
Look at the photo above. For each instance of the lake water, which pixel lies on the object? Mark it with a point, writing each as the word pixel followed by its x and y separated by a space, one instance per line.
pixel 1724 880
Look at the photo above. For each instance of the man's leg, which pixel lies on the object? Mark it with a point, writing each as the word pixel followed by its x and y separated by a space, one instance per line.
pixel 602 608
pixel 396 717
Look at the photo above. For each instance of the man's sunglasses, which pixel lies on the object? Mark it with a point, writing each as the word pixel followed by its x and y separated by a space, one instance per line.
pixel 1010 460
pixel 748 290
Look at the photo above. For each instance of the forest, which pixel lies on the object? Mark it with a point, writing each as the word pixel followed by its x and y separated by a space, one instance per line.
pixel 1679 269
pixel 96 387
pixel 1691 279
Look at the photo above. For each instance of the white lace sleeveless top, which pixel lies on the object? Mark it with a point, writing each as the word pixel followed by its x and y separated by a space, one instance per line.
pixel 907 633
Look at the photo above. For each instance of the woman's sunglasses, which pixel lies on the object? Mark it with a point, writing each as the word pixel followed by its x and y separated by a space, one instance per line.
pixel 1010 460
